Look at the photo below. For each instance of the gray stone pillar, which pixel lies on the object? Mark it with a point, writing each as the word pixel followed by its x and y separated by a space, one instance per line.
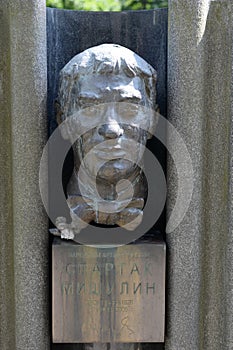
pixel 200 273
pixel 24 311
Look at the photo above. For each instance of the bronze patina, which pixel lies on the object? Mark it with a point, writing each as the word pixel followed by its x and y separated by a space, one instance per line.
pixel 109 92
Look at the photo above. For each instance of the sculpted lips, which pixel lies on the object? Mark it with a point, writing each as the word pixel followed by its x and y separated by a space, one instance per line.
pixel 113 151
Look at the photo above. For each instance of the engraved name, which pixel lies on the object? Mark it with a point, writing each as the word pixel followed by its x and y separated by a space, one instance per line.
pixel 121 269
pixel 93 288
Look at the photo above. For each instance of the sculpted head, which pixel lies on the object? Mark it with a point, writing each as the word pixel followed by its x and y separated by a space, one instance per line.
pixel 115 91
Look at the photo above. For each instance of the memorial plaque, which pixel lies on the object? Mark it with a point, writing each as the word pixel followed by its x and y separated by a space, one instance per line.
pixel 108 294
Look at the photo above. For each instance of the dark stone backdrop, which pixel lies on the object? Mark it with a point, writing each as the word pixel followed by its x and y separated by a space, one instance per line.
pixel 70 32
pixel 145 32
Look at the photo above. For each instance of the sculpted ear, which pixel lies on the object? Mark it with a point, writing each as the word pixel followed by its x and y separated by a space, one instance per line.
pixel 65 128
pixel 58 112
pixel 154 117
pixel 60 118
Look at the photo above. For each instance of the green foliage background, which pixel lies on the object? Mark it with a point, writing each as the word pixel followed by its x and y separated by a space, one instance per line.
pixel 107 5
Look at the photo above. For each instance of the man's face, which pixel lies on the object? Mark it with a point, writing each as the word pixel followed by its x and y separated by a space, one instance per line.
pixel 114 103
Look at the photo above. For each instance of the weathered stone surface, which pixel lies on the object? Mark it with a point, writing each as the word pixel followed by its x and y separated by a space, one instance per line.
pixel 200 262
pixel 24 312
pixel 108 295
pixel 200 280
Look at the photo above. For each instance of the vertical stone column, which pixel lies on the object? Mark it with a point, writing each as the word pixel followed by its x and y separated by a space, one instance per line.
pixel 24 311
pixel 200 278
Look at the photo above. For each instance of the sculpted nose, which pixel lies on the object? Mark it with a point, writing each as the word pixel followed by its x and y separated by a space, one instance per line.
pixel 110 131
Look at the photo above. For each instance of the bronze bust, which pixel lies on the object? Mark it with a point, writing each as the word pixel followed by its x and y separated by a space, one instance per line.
pixel 110 94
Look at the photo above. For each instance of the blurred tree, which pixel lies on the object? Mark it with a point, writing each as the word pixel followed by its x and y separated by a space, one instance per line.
pixel 107 5
pixel 87 5
pixel 142 4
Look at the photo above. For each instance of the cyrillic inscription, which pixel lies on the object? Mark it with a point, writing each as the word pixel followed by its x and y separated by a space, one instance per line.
pixel 105 295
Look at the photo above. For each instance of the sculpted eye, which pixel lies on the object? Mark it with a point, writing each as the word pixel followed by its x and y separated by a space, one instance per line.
pixel 89 110
pixel 92 109
pixel 129 111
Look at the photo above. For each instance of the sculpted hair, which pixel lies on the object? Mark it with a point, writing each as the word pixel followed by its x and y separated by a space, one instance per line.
pixel 106 59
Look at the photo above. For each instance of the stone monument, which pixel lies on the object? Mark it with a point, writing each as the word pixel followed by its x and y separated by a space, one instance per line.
pixel 107 95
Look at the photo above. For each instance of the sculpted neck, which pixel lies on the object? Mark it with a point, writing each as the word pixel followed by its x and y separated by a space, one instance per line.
pixel 108 190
